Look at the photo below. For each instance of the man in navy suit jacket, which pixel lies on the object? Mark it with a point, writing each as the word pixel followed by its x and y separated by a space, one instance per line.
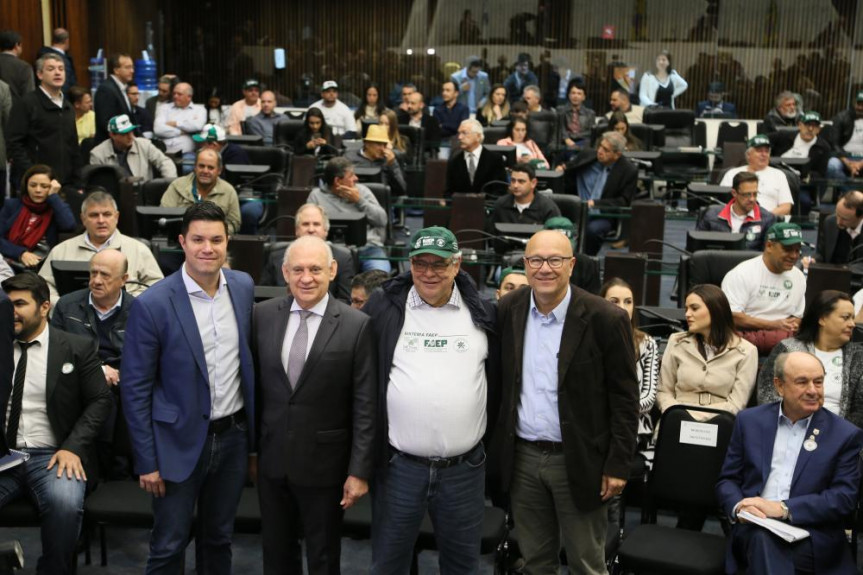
pixel 111 99
pixel 187 386
pixel 795 462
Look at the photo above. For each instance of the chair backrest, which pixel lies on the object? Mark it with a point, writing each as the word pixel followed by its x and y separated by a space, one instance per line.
pixel 247 139
pixel 87 145
pixel 737 132
pixel 493 133
pixel 151 192
pixel 708 267
pixel 573 208
pixel 643 132
pixel 689 457
pixel 286 132
pixel 107 176
pixel 542 127
pixel 277 158
pixel 303 170
pixel 247 255
pixel 383 195
pixel 679 125
pixel 416 137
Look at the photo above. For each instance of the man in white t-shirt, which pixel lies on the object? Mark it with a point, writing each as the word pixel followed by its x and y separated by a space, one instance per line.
pixel 774 194
pixel 848 130
pixel 767 293
pixel 338 116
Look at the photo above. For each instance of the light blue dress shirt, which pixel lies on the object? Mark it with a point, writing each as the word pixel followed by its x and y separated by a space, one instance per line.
pixel 786 449
pixel 538 416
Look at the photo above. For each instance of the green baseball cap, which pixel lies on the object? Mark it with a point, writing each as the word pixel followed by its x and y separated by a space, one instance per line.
pixel 758 141
pixel 811 118
pixel 508 271
pixel 120 124
pixel 211 133
pixel 435 240
pixel 560 223
pixel 785 233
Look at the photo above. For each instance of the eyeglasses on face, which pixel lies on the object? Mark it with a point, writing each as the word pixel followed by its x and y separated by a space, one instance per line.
pixel 554 262
pixel 437 267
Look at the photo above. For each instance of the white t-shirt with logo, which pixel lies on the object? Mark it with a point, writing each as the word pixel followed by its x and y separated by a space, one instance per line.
pixel 832 361
pixel 773 187
pixel 800 149
pixel 854 146
pixel 753 289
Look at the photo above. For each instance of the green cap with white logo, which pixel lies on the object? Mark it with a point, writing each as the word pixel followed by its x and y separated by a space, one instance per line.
pixel 435 240
pixel 758 141
pixel 785 233
pixel 811 118
pixel 508 271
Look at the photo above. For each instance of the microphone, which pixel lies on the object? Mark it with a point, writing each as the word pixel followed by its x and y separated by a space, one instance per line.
pixel 705 198
pixel 670 245
pixel 163 222
pixel 493 182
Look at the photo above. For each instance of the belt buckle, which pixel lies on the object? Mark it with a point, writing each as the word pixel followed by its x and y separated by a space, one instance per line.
pixel 437 462
pixel 704 398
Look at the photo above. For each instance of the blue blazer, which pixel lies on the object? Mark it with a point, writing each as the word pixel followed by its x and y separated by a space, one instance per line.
pixel 165 389
pixel 823 488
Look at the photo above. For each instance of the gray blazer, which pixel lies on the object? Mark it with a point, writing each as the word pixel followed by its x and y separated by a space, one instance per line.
pixel 5 110
pixel 851 400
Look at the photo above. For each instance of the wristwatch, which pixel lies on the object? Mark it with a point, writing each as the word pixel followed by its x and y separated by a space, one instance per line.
pixel 786 515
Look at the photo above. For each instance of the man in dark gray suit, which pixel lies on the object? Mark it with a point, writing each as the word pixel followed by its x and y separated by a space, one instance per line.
pixel 841 237
pixel 316 374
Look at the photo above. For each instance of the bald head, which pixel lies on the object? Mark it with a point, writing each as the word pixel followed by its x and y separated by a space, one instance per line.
pixel 548 239
pixel 183 93
pixel 108 275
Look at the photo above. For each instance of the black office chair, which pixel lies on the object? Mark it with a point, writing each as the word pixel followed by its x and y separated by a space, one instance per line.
pixel 285 132
pixel 416 136
pixel 277 158
pixel 151 192
pixel 542 127
pixel 679 125
pixel 707 267
pixel 573 208
pixel 493 133
pixel 732 132
pixel 383 195
pixel 684 476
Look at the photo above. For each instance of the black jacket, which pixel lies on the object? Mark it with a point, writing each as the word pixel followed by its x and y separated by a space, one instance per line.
pixel 108 102
pixel 429 123
pixel 18 74
pixel 74 314
pixel 490 168
pixel 41 133
pixel 819 153
pixel 505 212
pixel 843 129
pixel 620 187
pixel 387 310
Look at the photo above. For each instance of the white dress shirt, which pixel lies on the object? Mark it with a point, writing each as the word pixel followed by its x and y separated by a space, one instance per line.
pixel 313 323
pixel 34 428
pixel 217 326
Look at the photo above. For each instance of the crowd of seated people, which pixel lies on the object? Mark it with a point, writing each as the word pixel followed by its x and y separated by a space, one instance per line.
pixel 760 309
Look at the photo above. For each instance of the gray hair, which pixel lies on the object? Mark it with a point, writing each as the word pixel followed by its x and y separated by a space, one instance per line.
pixel 784 96
pixel 40 63
pixel 98 198
pixel 311 241
pixel 475 127
pixel 779 363
pixel 533 88
pixel 616 140
pixel 321 209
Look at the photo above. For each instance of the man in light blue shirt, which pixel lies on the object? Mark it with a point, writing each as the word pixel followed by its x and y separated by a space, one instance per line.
pixel 812 481
pixel 473 84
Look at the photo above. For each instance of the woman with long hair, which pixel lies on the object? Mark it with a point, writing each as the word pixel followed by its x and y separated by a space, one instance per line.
pixel 496 106
pixel 526 149
pixel 371 107
pixel 390 121
pixel 315 137
pixel 825 331
pixel 30 224
pixel 620 124
pixel 708 365
pixel 661 86
pixel 620 294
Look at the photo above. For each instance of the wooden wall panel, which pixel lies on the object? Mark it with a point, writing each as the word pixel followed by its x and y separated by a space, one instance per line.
pixel 25 17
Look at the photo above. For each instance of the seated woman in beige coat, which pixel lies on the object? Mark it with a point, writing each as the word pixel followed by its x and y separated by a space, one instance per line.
pixel 709 365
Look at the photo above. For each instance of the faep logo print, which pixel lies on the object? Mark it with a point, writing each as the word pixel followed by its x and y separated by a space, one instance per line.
pixel 436 345
pixel 461 345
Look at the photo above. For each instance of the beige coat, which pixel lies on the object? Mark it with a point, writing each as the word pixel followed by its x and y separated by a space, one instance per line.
pixel 179 195
pixel 724 382
pixel 142 158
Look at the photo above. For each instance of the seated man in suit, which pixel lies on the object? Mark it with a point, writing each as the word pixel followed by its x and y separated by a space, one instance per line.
pixel 312 220
pixel 603 178
pixel 522 205
pixel 715 105
pixel 99 313
pixel 841 238
pixel 56 405
pixel 742 214
pixel 796 462
pixel 473 167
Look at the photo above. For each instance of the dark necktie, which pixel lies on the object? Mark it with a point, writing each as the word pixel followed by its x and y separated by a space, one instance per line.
pixel 17 396
pixel 297 355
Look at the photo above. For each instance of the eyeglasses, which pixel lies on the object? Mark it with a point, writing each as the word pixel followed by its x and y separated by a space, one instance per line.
pixel 554 262
pixel 747 194
pixel 438 267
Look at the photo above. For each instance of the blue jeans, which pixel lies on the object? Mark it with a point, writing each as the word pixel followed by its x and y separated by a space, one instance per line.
pixel 60 503
pixel 455 501
pixel 251 213
pixel 836 169
pixel 370 251
pixel 597 229
pixel 215 485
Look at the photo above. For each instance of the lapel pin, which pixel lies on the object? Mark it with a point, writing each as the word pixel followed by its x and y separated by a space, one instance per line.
pixel 809 444
pixel 67 368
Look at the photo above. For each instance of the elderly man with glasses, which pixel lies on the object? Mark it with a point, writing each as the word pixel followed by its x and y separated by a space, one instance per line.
pixel 438 386
pixel 564 441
